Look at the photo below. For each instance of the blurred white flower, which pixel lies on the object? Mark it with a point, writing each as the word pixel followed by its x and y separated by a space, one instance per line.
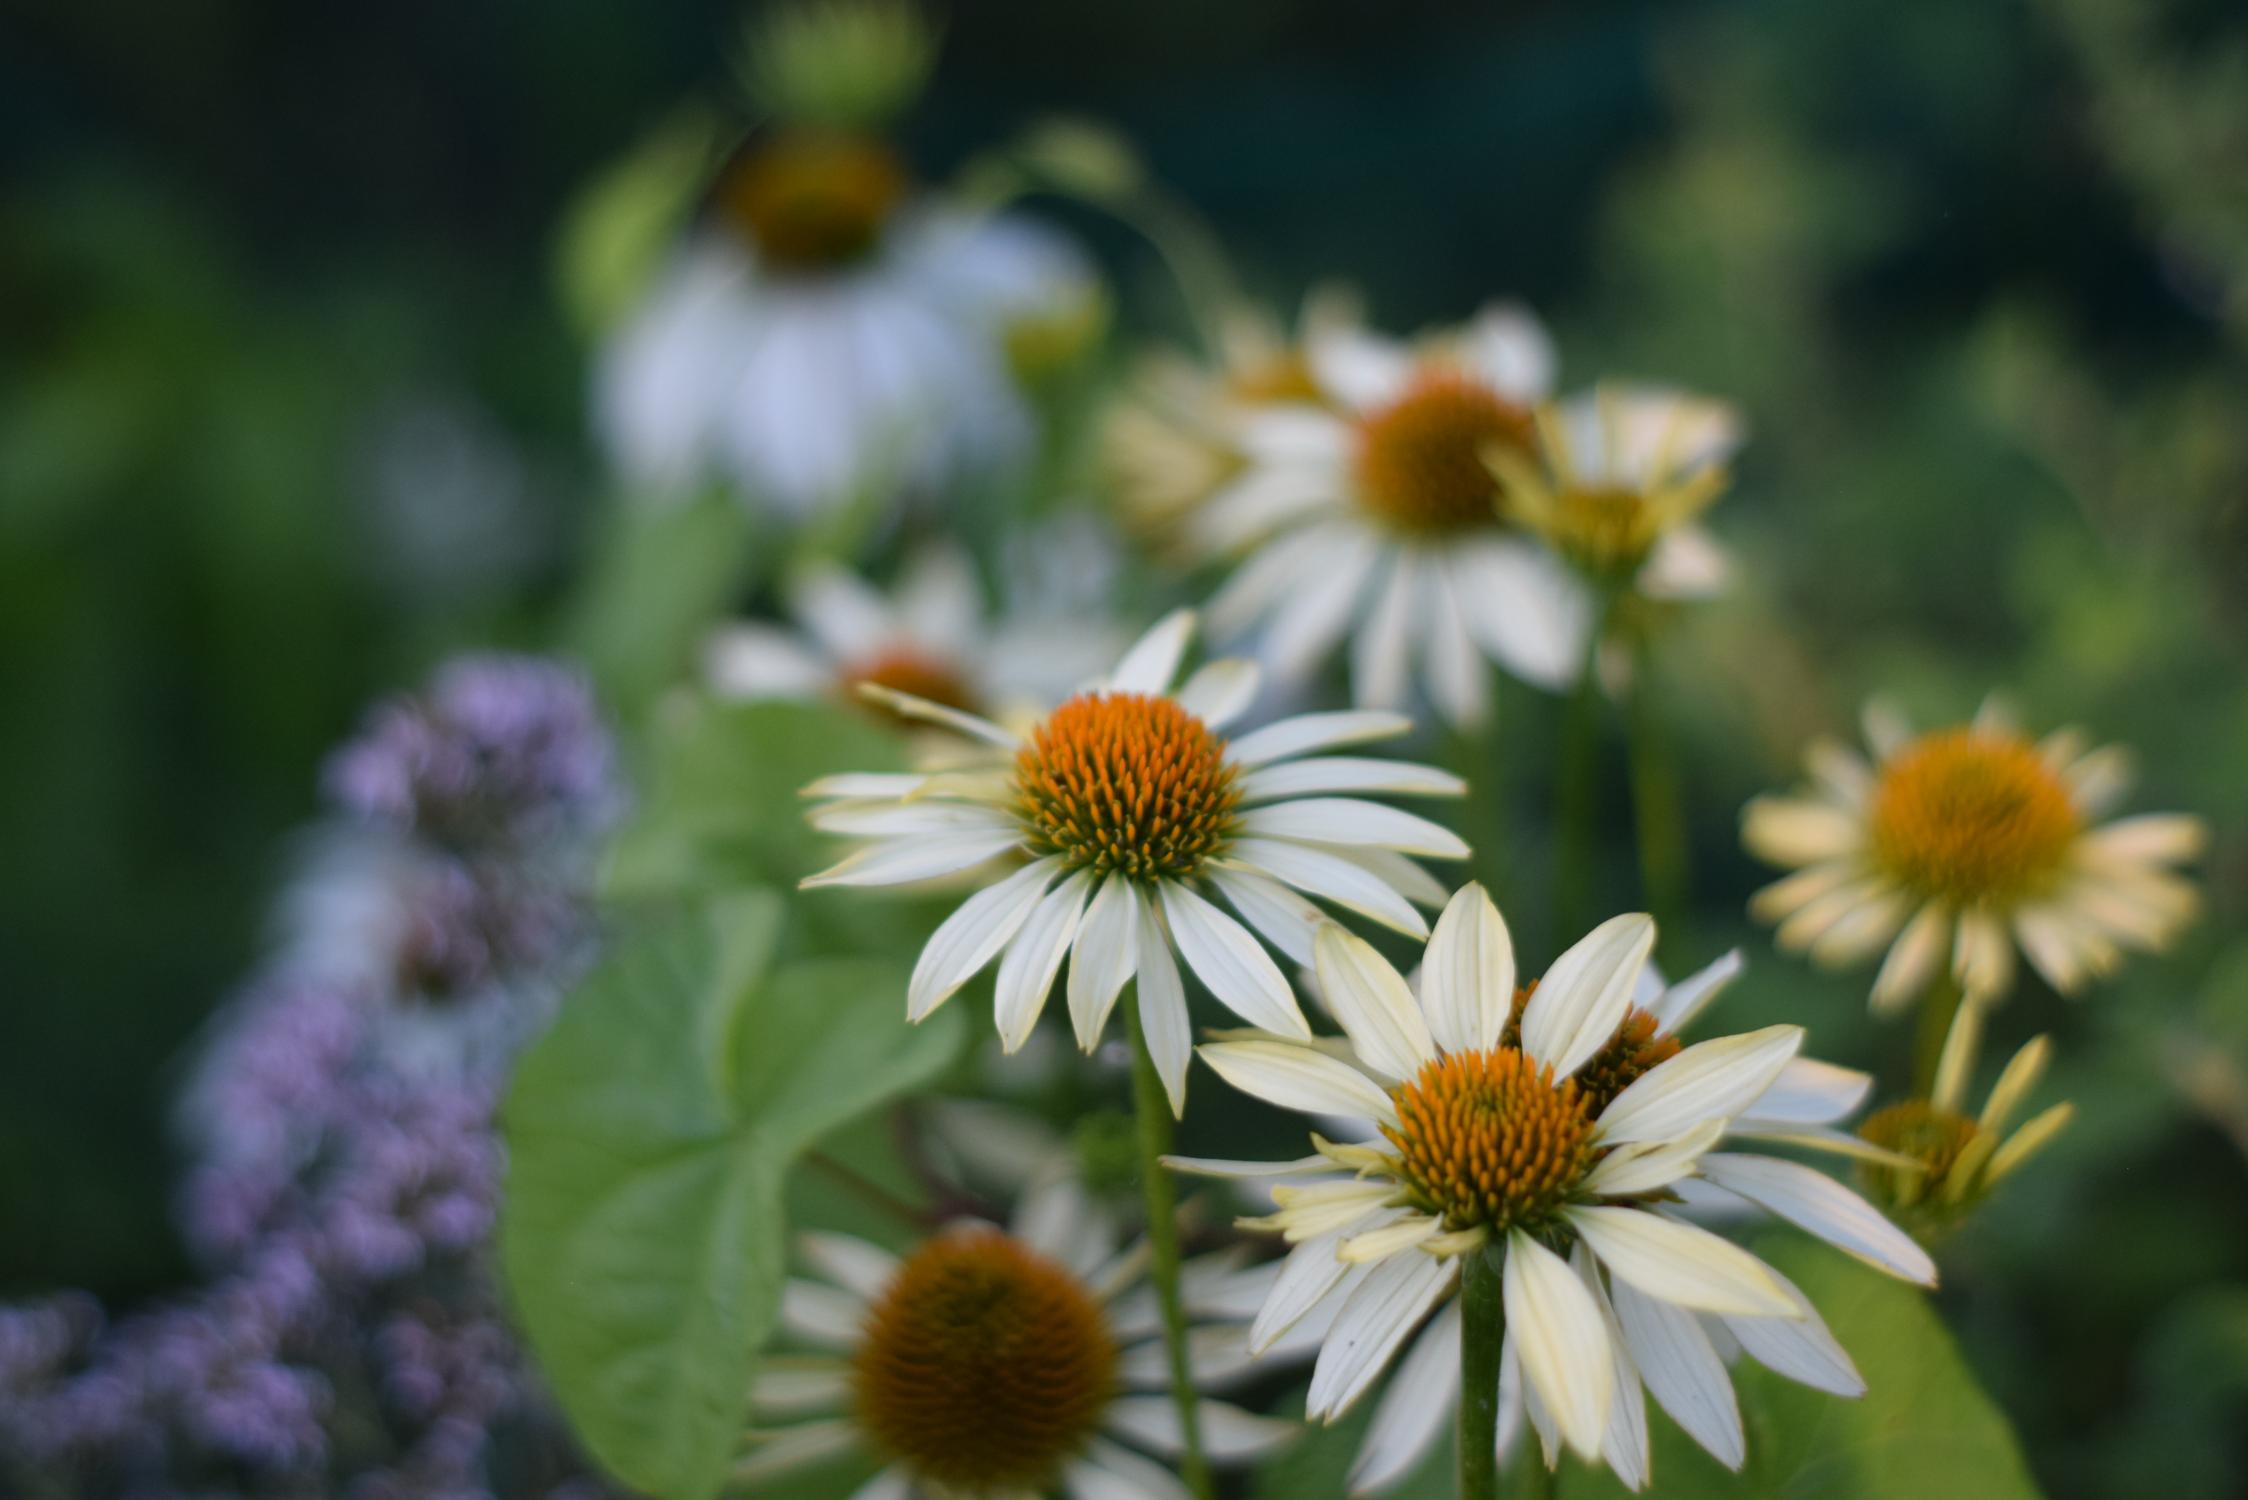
pixel 1955 845
pixel 1374 516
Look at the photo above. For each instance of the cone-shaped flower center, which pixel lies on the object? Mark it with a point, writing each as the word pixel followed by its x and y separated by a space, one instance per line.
pixel 814 200
pixel 908 669
pixel 1420 459
pixel 1928 1133
pixel 1967 816
pixel 1489 1140
pixel 1126 782
pixel 1604 529
pixel 984 1366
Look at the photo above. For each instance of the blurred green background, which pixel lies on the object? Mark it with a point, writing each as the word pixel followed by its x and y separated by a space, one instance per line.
pixel 287 407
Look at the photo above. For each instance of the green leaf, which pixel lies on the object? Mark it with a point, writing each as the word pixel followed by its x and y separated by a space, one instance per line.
pixel 1924 1429
pixel 650 1134
pixel 662 574
pixel 622 225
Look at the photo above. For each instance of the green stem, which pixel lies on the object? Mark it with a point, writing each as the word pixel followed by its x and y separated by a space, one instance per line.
pixel 1938 1008
pixel 1577 791
pixel 1473 754
pixel 1655 800
pixel 1153 1106
pixel 1482 1342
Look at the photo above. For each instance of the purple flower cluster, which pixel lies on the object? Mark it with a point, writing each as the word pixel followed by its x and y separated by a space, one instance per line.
pixel 351 1340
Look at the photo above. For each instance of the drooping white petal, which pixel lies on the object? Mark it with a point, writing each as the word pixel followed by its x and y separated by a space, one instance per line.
pixel 1306 626
pixel 1348 773
pixel 1807 1092
pixel 1212 1166
pixel 1795 831
pixel 1299 1078
pixel 1310 1273
pixel 1710 1080
pixel 1229 1434
pixel 793 1448
pixel 2149 838
pixel 896 819
pixel 1459 682
pixel 1415 1408
pixel 1378 659
pixel 1623 1444
pixel 890 1484
pixel 1154 658
pixel 1232 963
pixel 1106 952
pixel 1562 1341
pixel 1283 918
pixel 1407 1234
pixel 1308 732
pixel 757 661
pixel 1109 1471
pixel 1378 1317
pixel 1913 960
pixel 849 619
pixel 785 1387
pixel 1027 969
pixel 974 934
pixel 1467 975
pixel 1799 1347
pixel 1583 997
pixel 1815 1202
pixel 1674 1357
pixel 852 784
pixel 1348 820
pixel 823 1315
pixel 973 726
pixel 1647 1165
pixel 1162 1002
pixel 1373 1003
pixel 1679 1263
pixel 1319 873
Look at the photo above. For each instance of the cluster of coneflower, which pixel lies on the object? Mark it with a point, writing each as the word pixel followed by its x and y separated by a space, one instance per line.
pixel 1504 1200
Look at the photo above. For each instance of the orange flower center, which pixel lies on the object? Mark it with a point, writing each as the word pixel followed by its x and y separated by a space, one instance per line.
pixel 1965 816
pixel 907 669
pixel 984 1365
pixel 1420 463
pixel 814 200
pixel 1128 783
pixel 1488 1139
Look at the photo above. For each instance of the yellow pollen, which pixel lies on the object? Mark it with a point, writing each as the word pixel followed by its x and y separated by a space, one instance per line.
pixel 1128 783
pixel 1421 467
pixel 1967 815
pixel 906 669
pixel 1489 1140
pixel 814 200
pixel 984 1366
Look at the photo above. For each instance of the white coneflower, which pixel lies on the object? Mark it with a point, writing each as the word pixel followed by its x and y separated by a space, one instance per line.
pixel 1960 844
pixel 930 637
pixel 996 1363
pixel 1542 1134
pixel 1375 515
pixel 827 337
pixel 1125 808
pixel 1957 1159
pixel 1618 482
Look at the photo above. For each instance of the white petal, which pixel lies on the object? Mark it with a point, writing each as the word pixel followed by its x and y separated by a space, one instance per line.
pixel 1800 1347
pixel 1408 1233
pixel 1220 691
pixel 1026 971
pixel 903 861
pixel 1562 1341
pixel 1378 653
pixel 1378 1317
pixel 1688 1380
pixel 1283 918
pixel 1345 773
pixel 1982 960
pixel 792 1448
pixel 1458 681
pixel 973 935
pixel 1229 1434
pixel 1162 1002
pixel 1528 609
pixel 1299 1078
pixel 822 1315
pixel 1583 997
pixel 2150 838
pixel 1913 960
pixel 1808 1092
pixel 1154 659
pixel 1347 820
pixel 757 661
pixel 1232 963
pixel 1467 974
pixel 1794 831
pixel 1319 873
pixel 1110 1472
pixel 1373 1003
pixel 894 819
pixel 1710 1080
pixel 973 726
pixel 1311 1272
pixel 890 1484
pixel 1677 1006
pixel 1212 1166
pixel 1813 1201
pixel 1308 732
pixel 1415 1409
pixel 849 1261
pixel 867 784
pixel 1679 1263
pixel 798 1387
pixel 1307 625
pixel 1648 1165
pixel 1624 1442
pixel 848 618
pixel 1106 952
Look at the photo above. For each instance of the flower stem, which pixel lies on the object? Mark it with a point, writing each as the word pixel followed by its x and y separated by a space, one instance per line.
pixel 1474 756
pixel 1482 1343
pixel 1655 801
pixel 1153 1107
pixel 1577 789
pixel 1938 1009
